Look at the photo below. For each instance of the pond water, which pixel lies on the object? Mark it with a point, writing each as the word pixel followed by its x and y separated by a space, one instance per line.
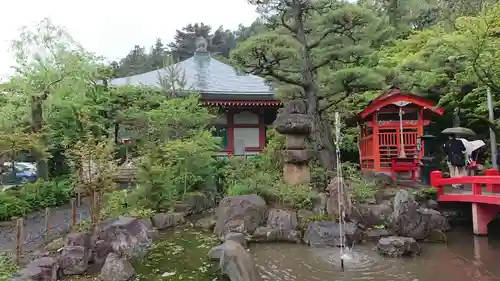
pixel 179 255
pixel 464 258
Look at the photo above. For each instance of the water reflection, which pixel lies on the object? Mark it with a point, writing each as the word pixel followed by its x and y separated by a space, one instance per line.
pixel 465 258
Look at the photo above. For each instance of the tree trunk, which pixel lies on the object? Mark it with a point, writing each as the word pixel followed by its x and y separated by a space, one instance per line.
pixel 42 165
pixel 321 132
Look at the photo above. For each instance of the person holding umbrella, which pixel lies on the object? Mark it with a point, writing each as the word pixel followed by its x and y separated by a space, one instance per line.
pixel 457 157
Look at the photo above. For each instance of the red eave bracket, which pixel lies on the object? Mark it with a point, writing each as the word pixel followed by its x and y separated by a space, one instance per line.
pixel 243 103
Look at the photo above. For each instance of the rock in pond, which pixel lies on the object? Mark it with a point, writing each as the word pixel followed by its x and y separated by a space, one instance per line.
pixel 395 246
pixel 240 214
pixel 195 203
pixel 235 261
pixel 116 269
pixel 266 234
pixel 327 234
pixel 236 237
pixel 376 233
pixel 410 220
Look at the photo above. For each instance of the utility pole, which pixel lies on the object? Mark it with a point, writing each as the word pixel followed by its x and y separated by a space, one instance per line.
pixel 493 138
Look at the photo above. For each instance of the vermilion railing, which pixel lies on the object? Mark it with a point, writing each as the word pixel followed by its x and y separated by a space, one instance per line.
pixel 491 180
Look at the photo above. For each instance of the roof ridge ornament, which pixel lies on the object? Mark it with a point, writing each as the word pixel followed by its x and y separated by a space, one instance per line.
pixel 201 44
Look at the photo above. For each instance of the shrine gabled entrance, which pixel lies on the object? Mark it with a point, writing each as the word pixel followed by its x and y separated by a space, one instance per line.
pixel 390 127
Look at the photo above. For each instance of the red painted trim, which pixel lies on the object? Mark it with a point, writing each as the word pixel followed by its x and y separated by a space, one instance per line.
pixel 243 102
pixel 381 102
pixel 230 131
pixel 475 196
pixel 230 126
pixel 262 131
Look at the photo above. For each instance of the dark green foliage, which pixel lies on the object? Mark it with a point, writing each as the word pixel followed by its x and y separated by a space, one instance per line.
pixel 32 197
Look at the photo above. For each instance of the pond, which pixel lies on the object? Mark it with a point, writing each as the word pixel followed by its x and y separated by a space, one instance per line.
pixel 464 258
pixel 179 255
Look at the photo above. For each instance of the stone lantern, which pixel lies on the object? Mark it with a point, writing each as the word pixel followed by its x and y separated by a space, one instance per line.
pixel 295 124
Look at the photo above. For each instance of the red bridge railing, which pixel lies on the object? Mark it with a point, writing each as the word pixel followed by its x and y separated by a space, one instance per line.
pixel 491 180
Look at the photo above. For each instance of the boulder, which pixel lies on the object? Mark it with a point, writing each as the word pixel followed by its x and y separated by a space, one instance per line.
pixel 373 215
pixel 236 237
pixel 395 246
pixel 83 239
pixel 332 202
pixel 409 220
pixel 282 219
pixel 319 202
pixel 206 223
pixel 74 260
pixel 195 203
pixel 99 253
pixel 116 269
pixel 376 233
pixel 235 262
pixel 42 269
pixel 327 234
pixel 267 234
pixel 240 214
pixel 387 193
pixel 167 220
pixel 127 236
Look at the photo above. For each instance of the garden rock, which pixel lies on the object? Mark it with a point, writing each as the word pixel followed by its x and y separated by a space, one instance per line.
pixel 282 219
pixel 99 253
pixel 332 202
pixel 74 260
pixel 42 269
pixel 116 269
pixel 127 236
pixel 240 214
pixel 236 237
pixel 376 233
pixel 206 223
pixel 409 220
pixel 395 246
pixel 319 202
pixel 83 239
pixel 167 220
pixel 327 234
pixel 372 215
pixel 267 234
pixel 235 261
pixel 195 203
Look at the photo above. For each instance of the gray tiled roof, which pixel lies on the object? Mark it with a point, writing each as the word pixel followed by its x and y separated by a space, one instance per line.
pixel 206 75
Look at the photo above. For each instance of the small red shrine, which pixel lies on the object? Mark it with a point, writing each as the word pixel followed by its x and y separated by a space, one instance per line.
pixel 389 129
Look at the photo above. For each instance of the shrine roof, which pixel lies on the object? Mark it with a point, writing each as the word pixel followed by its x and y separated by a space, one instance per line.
pixel 395 97
pixel 208 76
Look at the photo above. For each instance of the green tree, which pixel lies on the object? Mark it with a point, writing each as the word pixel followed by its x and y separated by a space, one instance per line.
pixel 308 44
pixel 51 68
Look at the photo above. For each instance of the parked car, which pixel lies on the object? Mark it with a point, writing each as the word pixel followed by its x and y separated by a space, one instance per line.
pixel 22 172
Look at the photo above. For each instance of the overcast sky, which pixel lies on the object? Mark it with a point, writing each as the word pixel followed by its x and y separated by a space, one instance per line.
pixel 112 27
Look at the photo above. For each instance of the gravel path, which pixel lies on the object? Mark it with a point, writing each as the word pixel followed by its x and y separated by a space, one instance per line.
pixel 34 226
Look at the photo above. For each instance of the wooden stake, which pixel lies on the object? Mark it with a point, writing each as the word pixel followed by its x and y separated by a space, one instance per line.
pixel 73 213
pixel 79 198
pixel 19 240
pixel 47 224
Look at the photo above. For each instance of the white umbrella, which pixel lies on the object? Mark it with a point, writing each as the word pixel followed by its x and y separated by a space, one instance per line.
pixel 471 146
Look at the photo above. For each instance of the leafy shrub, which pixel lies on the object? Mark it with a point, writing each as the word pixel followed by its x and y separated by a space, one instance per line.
pixel 11 206
pixel 362 190
pixel 32 197
pixel 120 203
pixel 172 169
pixel 7 267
